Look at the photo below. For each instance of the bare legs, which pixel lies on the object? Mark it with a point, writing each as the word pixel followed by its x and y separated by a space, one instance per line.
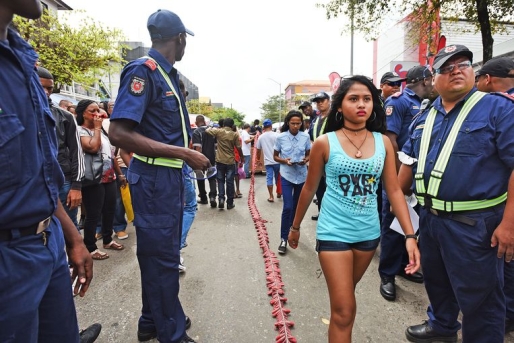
pixel 343 270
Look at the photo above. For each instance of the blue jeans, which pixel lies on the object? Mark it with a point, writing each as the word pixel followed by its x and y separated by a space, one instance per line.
pixel 225 174
pixel 290 195
pixel 272 170
pixel 63 195
pixel 190 207
pixel 120 223
pixel 246 165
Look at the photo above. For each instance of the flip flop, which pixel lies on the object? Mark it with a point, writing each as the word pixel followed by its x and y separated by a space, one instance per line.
pixel 99 255
pixel 271 200
pixel 114 246
pixel 238 195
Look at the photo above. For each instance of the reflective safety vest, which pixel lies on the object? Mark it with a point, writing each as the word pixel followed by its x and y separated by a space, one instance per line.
pixel 428 197
pixel 315 133
pixel 163 161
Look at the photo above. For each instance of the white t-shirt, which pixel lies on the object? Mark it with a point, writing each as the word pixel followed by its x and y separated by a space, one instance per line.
pixel 245 146
pixel 266 142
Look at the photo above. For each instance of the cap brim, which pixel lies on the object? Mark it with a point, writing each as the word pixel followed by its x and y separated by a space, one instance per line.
pixel 443 60
pixel 189 32
pixel 394 79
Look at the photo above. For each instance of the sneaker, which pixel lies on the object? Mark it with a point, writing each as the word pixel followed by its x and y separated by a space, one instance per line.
pixel 221 204
pixel 122 235
pixel 90 334
pixel 203 201
pixel 187 339
pixel 230 206
pixel 213 202
pixel 181 267
pixel 98 236
pixel 282 247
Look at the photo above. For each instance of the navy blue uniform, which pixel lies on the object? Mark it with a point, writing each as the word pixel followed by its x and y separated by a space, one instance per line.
pixel 400 109
pixel 462 271
pixel 157 192
pixel 35 286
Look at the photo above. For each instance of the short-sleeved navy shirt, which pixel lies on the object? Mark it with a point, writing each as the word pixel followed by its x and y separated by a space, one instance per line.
pixel 145 97
pixel 400 110
pixel 30 176
pixel 482 158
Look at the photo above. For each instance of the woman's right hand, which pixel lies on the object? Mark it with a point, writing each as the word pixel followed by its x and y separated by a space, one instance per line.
pixel 97 122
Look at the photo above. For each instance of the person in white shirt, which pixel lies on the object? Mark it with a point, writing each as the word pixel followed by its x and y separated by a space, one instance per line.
pixel 246 146
pixel 266 142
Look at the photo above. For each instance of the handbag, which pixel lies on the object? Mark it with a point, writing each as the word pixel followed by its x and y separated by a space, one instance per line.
pixel 93 168
pixel 241 173
pixel 127 202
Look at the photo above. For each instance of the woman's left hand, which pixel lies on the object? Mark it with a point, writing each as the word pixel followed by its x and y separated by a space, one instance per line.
pixel 293 239
pixel 123 180
pixel 414 256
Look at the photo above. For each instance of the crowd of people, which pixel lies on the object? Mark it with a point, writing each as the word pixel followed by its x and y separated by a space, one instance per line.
pixel 445 140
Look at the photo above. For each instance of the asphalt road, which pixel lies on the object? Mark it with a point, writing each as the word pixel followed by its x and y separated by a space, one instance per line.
pixel 224 288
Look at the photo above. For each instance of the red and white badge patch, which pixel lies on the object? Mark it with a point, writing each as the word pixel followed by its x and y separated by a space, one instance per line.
pixel 450 48
pixel 137 86
pixel 389 110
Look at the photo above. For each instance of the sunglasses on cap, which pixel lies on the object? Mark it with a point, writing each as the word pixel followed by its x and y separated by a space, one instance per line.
pixel 350 77
pixel 201 175
pixel 394 84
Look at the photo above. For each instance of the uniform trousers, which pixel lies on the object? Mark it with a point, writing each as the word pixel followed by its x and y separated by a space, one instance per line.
pixel 462 272
pixel 158 201
pixel 35 289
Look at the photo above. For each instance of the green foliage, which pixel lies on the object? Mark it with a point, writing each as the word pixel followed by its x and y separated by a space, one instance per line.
pixel 274 106
pixel 221 113
pixel 79 54
pixel 197 107
pixel 488 16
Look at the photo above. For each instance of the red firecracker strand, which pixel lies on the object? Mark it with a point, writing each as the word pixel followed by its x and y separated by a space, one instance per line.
pixel 271 263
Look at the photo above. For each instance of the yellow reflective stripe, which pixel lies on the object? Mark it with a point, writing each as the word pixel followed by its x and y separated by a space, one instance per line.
pixel 170 84
pixel 160 161
pixel 315 132
pixel 423 151
pixel 453 206
pixel 443 158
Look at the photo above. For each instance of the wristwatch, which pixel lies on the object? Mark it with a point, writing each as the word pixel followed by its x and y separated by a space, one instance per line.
pixel 411 236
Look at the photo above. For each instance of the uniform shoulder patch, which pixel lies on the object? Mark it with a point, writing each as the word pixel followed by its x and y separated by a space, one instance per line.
pixel 505 95
pixel 396 95
pixel 137 86
pixel 150 64
pixel 389 110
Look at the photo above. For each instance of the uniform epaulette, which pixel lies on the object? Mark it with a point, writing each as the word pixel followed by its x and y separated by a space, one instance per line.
pixel 505 95
pixel 396 95
pixel 150 64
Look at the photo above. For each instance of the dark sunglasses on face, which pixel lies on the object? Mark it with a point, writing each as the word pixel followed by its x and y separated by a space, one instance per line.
pixel 449 68
pixel 394 84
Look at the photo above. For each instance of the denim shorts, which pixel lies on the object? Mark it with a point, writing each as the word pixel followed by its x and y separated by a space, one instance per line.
pixel 342 246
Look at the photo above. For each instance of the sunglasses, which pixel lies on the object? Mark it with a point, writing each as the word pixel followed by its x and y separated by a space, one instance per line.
pixel 200 174
pixel 449 68
pixel 394 84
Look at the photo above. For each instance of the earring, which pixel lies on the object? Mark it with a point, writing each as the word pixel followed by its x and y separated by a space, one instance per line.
pixel 338 116
pixel 374 116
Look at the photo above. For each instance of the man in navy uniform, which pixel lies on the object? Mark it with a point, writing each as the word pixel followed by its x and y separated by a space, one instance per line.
pixel 400 108
pixel 151 120
pixel 35 287
pixel 390 84
pixel 465 157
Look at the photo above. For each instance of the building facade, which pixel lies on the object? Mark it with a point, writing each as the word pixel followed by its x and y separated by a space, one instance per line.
pixel 297 92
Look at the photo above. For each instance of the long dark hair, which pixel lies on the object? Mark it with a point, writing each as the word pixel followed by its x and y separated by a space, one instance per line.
pixel 291 114
pixel 376 122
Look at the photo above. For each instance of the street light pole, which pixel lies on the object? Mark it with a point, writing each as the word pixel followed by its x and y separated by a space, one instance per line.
pixel 279 99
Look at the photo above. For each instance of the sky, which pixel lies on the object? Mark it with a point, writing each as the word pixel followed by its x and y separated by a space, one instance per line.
pixel 240 45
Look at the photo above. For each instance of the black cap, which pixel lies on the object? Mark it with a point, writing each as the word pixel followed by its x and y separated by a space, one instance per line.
pixel 320 96
pixel 498 67
pixel 304 104
pixel 165 24
pixel 449 51
pixel 390 77
pixel 418 73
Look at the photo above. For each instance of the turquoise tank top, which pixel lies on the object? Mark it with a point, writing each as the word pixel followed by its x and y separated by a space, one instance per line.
pixel 349 209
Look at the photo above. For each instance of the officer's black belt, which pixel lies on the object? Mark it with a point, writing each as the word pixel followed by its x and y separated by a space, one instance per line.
pixel 461 216
pixel 34 229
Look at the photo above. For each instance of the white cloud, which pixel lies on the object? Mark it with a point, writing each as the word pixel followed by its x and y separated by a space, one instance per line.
pixel 238 45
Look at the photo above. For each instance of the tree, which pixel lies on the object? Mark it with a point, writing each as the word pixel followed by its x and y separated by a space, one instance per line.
pixel 197 107
pixel 72 54
pixel 222 113
pixel 272 107
pixel 489 16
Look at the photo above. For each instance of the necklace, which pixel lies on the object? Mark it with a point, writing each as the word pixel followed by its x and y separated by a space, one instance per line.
pixel 358 154
pixel 355 130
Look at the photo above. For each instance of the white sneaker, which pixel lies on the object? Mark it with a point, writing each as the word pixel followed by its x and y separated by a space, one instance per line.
pixel 181 267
